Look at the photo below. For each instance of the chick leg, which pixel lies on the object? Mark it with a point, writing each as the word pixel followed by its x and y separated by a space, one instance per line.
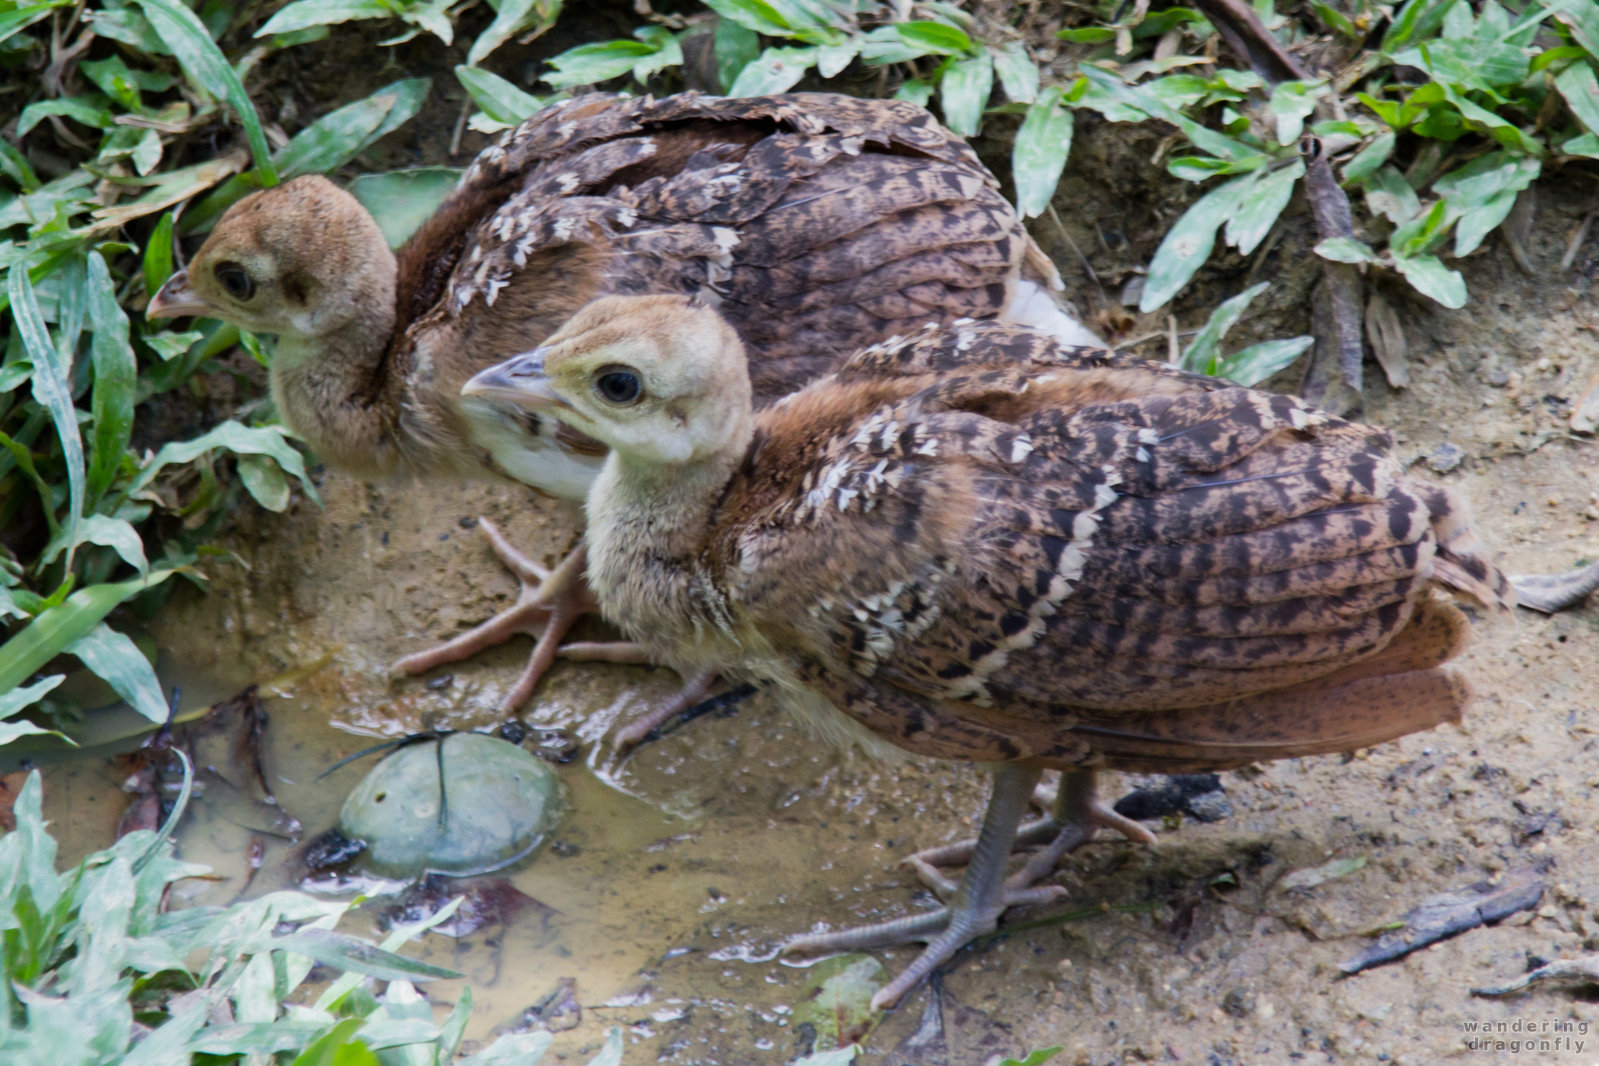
pixel 548 604
pixel 983 895
pixel 1076 815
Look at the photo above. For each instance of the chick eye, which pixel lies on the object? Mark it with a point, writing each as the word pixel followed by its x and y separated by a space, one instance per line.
pixel 234 278
pixel 617 386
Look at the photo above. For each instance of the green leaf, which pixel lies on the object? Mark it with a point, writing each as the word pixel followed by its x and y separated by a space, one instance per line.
pixel 82 109
pixel 964 93
pixel 337 137
pixel 1203 168
pixel 1189 242
pixel 1345 250
pixel 776 70
pixel 1034 1058
pixel 589 64
pixel 1317 875
pixel 1581 92
pixel 117 534
pixel 52 392
pixel 338 1047
pixel 500 100
pixel 1336 21
pixel 736 47
pixel 1291 103
pixel 1043 145
pixel 357 956
pixel 20 17
pixel 117 661
pixel 831 59
pixel 49 634
pixel 513 17
pixel 916 91
pixel 158 264
pixel 1417 20
pixel 116 371
pixel 1201 356
pixel 756 15
pixel 839 998
pixel 1018 75
pixel 935 38
pixel 236 438
pixel 1366 161
pixel 1428 276
pixel 264 480
pixel 1390 195
pixel 1484 192
pixel 512 1049
pixel 306 13
pixel 1088 35
pixel 1258 362
pixel 24 696
pixel 401 200
pixel 208 69
pixel 1258 209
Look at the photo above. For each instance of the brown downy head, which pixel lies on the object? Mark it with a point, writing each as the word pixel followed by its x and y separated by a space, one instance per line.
pixel 303 260
pixel 661 379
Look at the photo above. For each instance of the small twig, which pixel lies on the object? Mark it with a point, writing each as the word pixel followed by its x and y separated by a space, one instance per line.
pixel 1060 227
pixel 1174 352
pixel 460 126
pixel 1574 246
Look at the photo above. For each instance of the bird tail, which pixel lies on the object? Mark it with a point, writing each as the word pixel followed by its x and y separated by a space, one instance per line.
pixel 1405 688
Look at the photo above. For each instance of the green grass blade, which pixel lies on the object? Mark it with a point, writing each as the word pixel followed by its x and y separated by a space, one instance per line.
pixel 49 634
pixel 183 32
pixel 50 389
pixel 116 374
pixel 357 956
pixel 116 660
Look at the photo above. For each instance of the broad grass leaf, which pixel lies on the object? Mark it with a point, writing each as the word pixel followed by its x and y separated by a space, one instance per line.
pixel 1043 144
pixel 209 70
pixel 513 17
pixel 116 660
pixel 935 38
pixel 1258 209
pixel 358 957
pixel 1252 365
pixel 1201 355
pixel 51 391
pixel 1018 75
pixel 116 371
pixel 401 200
pixel 775 70
pixel 1428 276
pixel 963 92
pixel 1189 242
pixel 499 99
pixel 735 48
pixel 55 628
pixel 303 14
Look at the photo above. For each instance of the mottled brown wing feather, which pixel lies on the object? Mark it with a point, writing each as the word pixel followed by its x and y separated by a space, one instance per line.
pixel 1045 553
pixel 819 223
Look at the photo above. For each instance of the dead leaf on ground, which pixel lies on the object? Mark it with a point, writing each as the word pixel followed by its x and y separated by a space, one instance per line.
pixel 1586 967
pixel 1387 338
pixel 1316 875
pixel 1448 913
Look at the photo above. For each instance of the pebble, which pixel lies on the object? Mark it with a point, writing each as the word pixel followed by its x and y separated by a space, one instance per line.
pixel 1445 458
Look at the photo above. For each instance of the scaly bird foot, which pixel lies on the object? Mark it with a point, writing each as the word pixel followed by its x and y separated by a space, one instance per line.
pixel 982 896
pixel 984 893
pixel 549 602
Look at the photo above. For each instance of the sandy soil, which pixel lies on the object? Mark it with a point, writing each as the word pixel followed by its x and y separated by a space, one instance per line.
pixel 738 830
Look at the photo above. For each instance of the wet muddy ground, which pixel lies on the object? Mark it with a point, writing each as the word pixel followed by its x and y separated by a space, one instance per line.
pixel 707 845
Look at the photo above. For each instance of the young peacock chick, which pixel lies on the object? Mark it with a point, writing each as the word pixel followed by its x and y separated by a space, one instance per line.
pixel 819 223
pixel 976 544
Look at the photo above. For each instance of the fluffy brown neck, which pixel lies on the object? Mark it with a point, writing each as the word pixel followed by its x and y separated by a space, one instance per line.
pixel 337 390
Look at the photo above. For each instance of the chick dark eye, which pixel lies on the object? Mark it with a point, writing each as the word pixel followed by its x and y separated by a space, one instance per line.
pixel 233 277
pixel 618 386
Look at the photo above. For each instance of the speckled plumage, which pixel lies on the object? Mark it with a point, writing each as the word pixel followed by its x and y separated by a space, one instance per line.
pixel 982 546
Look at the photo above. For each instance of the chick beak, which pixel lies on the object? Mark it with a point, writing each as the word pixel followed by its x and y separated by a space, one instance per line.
pixel 175 300
pixel 520 380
